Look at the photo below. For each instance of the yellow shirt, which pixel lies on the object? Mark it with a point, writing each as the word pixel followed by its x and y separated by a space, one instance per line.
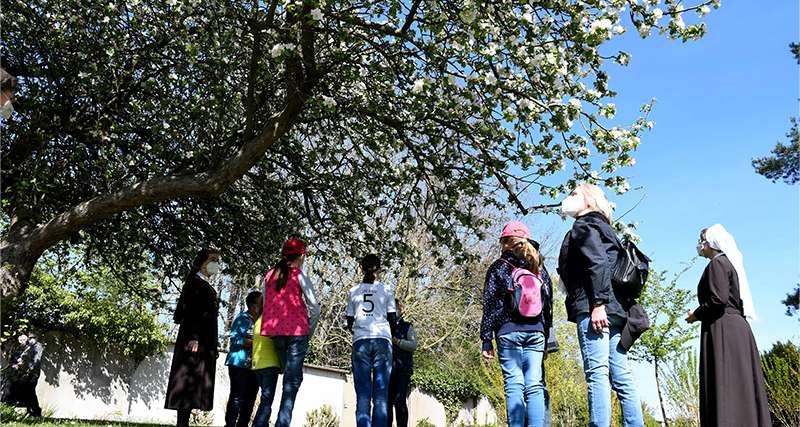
pixel 264 355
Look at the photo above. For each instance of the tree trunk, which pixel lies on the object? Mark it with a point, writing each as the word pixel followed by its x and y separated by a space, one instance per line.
pixel 16 268
pixel 18 256
pixel 660 397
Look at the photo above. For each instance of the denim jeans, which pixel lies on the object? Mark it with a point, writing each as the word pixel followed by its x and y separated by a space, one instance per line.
pixel 521 355
pixel 244 387
pixel 291 353
pixel 268 380
pixel 548 414
pixel 372 367
pixel 602 356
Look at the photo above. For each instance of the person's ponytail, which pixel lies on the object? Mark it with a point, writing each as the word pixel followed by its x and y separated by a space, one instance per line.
pixel 282 268
pixel 525 250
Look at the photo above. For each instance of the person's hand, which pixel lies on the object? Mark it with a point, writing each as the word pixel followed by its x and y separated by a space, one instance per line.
pixel 395 341
pixel 599 318
pixel 487 355
pixel 193 346
pixel 248 342
pixel 690 317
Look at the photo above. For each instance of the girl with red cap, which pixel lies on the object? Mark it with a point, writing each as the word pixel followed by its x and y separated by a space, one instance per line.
pixel 289 317
pixel 521 340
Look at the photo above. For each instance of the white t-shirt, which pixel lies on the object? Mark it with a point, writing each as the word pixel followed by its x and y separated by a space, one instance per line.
pixel 369 305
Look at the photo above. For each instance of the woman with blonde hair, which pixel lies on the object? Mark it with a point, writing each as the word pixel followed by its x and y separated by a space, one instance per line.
pixel 585 264
pixel 518 324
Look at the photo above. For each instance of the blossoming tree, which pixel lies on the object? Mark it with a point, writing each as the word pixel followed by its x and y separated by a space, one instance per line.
pixel 148 125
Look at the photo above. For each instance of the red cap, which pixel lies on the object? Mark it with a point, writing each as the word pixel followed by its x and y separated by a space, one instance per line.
pixel 293 246
pixel 515 229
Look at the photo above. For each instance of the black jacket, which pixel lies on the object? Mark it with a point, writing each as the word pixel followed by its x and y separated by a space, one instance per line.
pixel 585 265
pixel 402 360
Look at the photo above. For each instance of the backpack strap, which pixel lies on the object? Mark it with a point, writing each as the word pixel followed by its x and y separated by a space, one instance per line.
pixel 507 262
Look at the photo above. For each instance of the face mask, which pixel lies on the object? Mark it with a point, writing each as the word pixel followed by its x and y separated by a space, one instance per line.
pixel 7 109
pixel 573 204
pixel 212 267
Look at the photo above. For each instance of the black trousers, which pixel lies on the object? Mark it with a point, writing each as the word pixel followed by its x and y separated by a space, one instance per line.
pixel 244 388
pixel 23 394
pixel 183 417
pixel 398 393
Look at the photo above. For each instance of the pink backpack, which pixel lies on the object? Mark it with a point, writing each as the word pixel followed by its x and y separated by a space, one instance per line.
pixel 525 293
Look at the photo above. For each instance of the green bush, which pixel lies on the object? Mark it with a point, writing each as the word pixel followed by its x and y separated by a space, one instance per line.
pixel 450 385
pixel 681 390
pixel 781 370
pixel 91 305
pixel 322 417
pixel 425 423
pixel 566 386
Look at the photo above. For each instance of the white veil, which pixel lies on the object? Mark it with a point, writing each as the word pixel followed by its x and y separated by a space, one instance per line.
pixel 719 239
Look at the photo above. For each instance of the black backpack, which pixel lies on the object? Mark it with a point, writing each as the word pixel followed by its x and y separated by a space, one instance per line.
pixel 631 270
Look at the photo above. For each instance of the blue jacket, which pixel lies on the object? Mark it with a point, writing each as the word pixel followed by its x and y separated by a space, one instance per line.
pixel 238 354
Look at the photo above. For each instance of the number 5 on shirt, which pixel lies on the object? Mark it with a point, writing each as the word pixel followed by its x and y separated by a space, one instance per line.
pixel 371 304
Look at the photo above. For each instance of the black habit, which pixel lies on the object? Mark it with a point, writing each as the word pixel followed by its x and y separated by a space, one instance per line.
pixel 191 378
pixel 732 389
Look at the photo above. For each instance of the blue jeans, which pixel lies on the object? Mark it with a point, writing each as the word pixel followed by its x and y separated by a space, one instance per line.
pixel 372 368
pixel 268 380
pixel 521 355
pixel 603 355
pixel 244 387
pixel 291 353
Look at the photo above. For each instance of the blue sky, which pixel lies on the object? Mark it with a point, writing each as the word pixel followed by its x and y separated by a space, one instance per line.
pixel 721 101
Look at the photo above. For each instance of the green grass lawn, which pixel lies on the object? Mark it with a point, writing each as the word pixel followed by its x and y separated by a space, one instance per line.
pixel 9 417
pixel 47 422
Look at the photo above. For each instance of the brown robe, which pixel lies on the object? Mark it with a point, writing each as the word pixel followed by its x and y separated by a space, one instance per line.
pixel 732 389
pixel 191 378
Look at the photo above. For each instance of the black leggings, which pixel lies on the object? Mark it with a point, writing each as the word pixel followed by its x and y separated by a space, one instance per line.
pixel 398 392
pixel 183 417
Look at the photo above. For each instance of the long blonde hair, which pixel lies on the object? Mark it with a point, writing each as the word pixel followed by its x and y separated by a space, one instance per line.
pixel 522 248
pixel 596 199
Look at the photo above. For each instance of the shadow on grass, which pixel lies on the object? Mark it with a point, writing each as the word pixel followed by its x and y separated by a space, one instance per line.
pixel 10 417
pixel 44 422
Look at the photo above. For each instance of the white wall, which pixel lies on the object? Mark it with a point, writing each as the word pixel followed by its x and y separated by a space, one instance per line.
pixel 79 381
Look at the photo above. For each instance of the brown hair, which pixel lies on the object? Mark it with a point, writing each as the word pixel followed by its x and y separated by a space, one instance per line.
pixel 523 248
pixel 282 267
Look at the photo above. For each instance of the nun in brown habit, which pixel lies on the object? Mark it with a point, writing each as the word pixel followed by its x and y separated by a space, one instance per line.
pixel 191 377
pixel 732 389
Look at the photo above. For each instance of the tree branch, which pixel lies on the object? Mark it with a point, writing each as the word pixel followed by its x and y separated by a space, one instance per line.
pixel 410 17
pixel 205 184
